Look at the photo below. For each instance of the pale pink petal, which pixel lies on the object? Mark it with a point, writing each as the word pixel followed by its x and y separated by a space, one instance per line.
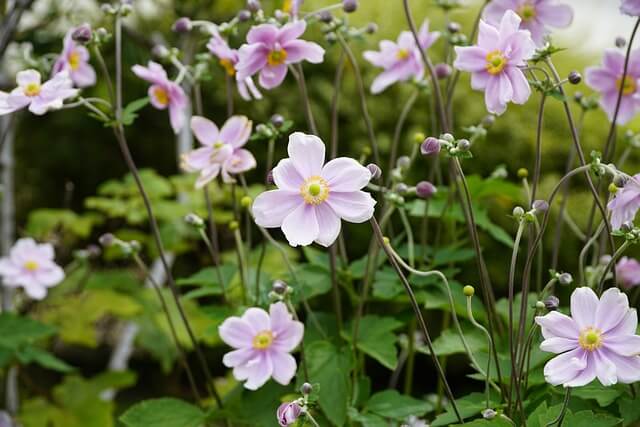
pixel 624 345
pixel 555 324
pixel 197 159
pixel 240 161
pixel 600 79
pixel 492 96
pixel 257 371
pixel 236 332
pixel 27 77
pixel 627 368
pixel 205 130
pixel 355 206
pixel 328 223
pixel 488 36
pixel 479 80
pixel 239 357
pixel 272 207
pixel 299 50
pixel 263 33
pixel 272 76
pixel 287 177
pixel 35 291
pixel 612 307
pixel 307 153
pixel 555 15
pixel 605 368
pixel 291 31
pixel 509 25
pixel 50 276
pixel 472 59
pixel 252 58
pixel 519 84
pixel 345 174
pixel 176 117
pixel 558 344
pixel 300 227
pixel 584 304
pixel 566 367
pixel 257 319
pixel 587 375
pixel 236 131
pixel 207 175
pixel 284 367
pixel 627 326
pixel 84 76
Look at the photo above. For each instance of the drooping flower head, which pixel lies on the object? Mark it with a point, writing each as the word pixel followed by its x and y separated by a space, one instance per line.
pixel 288 413
pixel 31 266
pixel 269 50
pixel 401 60
pixel 221 150
pixel 607 79
pixel 164 93
pixel 626 203
pixel 75 60
pixel 311 199
pixel 494 62
pixel 630 7
pixel 228 59
pixel 537 15
pixel 39 97
pixel 628 272
pixel 598 341
pixel 263 343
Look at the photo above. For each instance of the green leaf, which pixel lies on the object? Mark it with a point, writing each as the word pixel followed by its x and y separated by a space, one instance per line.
pixel 314 280
pixel 164 412
pixel 469 406
pixel 629 410
pixel 208 277
pixel 16 331
pixel 449 341
pixel 367 420
pixel 605 396
pixel 588 418
pixel 391 404
pixel 130 110
pixel 43 358
pixel 330 367
pixel 498 421
pixel 376 338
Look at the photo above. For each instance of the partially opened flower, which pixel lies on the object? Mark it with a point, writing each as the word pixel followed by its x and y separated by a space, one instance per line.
pixel 626 203
pixel 39 97
pixel 495 61
pixel 537 15
pixel 221 151
pixel 401 61
pixel 31 266
pixel 263 343
pixel 288 413
pixel 598 341
pixel 607 79
pixel 270 50
pixel 228 59
pixel 628 272
pixel 164 93
pixel 311 199
pixel 75 60
pixel 630 7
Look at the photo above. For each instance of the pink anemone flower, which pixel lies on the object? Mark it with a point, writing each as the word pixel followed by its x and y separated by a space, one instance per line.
pixel 496 60
pixel 164 93
pixel 626 203
pixel 311 199
pixel 263 343
pixel 630 7
pixel 221 150
pixel 75 60
pixel 401 61
pixel 537 15
pixel 270 50
pixel 628 272
pixel 39 97
pixel 598 341
pixel 31 266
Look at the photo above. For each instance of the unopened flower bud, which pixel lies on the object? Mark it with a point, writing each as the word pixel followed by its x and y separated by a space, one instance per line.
pixel 349 6
pixel 518 211
pixel 575 77
pixel 447 137
pixel 386 241
pixel 102 33
pixel 279 287
pixel 280 15
pixel 277 120
pixel 403 162
pixel 540 305
pixel 246 201
pixel 372 28
pixel 540 205
pixel 82 34
pixel 107 239
pixel 468 291
pixel 193 219
pixel 627 226
pixel 425 189
pixel 93 251
pixel 244 15
pixel 402 188
pixel 489 414
pixel 523 173
pixel 578 96
pixel 160 51
pixel 233 225
pixel 620 180
pixel 135 246
pixel 331 38
pixel 552 303
pixel 288 413
pixel 270 180
pixel 565 279
pixel 253 5
pixel 530 217
pixel 419 137
pixel 182 25
pixel 463 144
pixel 620 42
pixel 430 146
pixel 613 189
pixel 443 70
pixel 325 16
pixel 375 170
pixel 306 389
pixel 453 27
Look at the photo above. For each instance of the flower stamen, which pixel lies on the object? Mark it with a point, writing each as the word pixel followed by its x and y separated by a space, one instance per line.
pixel 74 60
pixel 228 66
pixel 277 57
pixel 402 54
pixel 31 265
pixel 314 190
pixel 263 340
pixel 590 339
pixel 32 89
pixel 527 12
pixel 161 95
pixel 629 85
pixel 495 62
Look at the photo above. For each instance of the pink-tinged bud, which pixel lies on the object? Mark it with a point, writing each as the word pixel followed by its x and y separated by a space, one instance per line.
pixel 425 189
pixel 349 5
pixel 270 180
pixel 107 239
pixel 430 146
pixel 253 5
pixel 244 15
pixel 288 413
pixel 182 25
pixel 82 34
pixel 375 170
pixel 443 71
pixel 540 205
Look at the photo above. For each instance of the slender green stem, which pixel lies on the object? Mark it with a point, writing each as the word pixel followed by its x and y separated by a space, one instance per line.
pixel 583 253
pixel 512 275
pixel 611 263
pixel 409 231
pixel 489 347
pixel 563 410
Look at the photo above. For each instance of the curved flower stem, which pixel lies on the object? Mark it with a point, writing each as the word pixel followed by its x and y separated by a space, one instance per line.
pixel 418 313
pixel 298 73
pixel 452 305
pixel 489 347
pixel 407 228
pixel 209 245
pixel 611 263
pixel 337 302
pixel 585 249
pixel 243 263
pixel 563 411
pixel 335 102
pixel 105 71
pixel 363 99
pixel 323 9
pixel 538 161
pixel 512 275
pixel 408 106
pixel 165 308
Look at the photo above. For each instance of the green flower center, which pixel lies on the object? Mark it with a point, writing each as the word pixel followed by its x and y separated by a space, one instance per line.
pixel 31 265
pixel 74 60
pixel 495 62
pixel 263 340
pixel 314 190
pixel 277 57
pixel 628 86
pixel 402 54
pixel 32 89
pixel 527 12
pixel 228 67
pixel 590 339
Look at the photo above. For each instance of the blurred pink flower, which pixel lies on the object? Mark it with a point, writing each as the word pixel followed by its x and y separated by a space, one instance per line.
pixel 626 203
pixel 271 49
pixel 222 150
pixel 311 199
pixel 537 15
pixel 31 266
pixel 401 61
pixel 630 7
pixel 288 413
pixel 495 61
pixel 164 93
pixel 598 341
pixel 39 97
pixel 228 60
pixel 607 79
pixel 628 272
pixel 262 343
pixel 75 60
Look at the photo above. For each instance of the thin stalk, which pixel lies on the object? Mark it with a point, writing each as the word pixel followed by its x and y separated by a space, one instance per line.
pixel 335 104
pixel 407 228
pixel 563 411
pixel 411 358
pixel 408 106
pixel 489 347
pixel 337 303
pixel 512 275
pixel 212 240
pixel 298 73
pixel 583 253
pixel 611 263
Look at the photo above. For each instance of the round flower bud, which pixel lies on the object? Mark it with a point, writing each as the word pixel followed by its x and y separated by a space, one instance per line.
pixel 565 278
pixel 386 241
pixel 518 211
pixel 552 303
pixel 402 188
pixel 613 189
pixel 331 38
pixel 627 226
pixel 430 146
pixel 366 150
pixel 425 189
pixel 578 96
pixel 453 27
pixel 523 173
pixel 468 291
pixel 419 137
pixel 620 42
pixel 93 251
pixel 620 180
pixel 463 144
pixel 277 120
pixel 349 6
pixel 253 5
pixel 244 15
pixel 135 246
pixel 107 239
pixel 280 15
pixel 82 34
pixel 193 219
pixel 530 217
pixel 102 33
pixel 488 121
pixel 279 287
pixel 540 205
pixel 270 177
pixel 233 225
pixel 403 162
pixel 325 16
pixel 447 137
pixel 288 413
pixel 306 388
pixel 443 70
pixel 489 414
pixel 605 259
pixel 540 305
pixel 182 25
pixel 160 51
pixel 375 170
pixel 372 28
pixel 246 201
pixel 575 77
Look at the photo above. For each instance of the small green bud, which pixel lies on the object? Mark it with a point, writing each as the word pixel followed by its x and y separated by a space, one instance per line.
pixel 246 201
pixel 469 291
pixel 419 137
pixel 523 173
pixel 233 225
pixel 613 189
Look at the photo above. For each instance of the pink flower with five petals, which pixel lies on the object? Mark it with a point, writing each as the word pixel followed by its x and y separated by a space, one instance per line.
pixel 39 97
pixel 75 60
